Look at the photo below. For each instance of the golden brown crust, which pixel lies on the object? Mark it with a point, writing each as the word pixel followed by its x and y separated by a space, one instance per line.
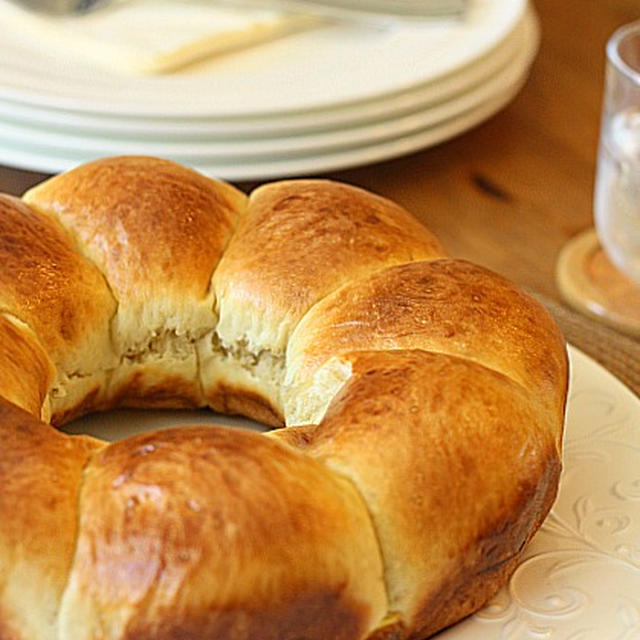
pixel 314 616
pixel 152 226
pixel 220 529
pixel 237 401
pixel 462 594
pixel 298 241
pixel 48 285
pixel 40 475
pixel 62 297
pixel 448 306
pixel 157 231
pixel 169 392
pixel 92 400
pixel 302 239
pixel 462 468
pixel 26 372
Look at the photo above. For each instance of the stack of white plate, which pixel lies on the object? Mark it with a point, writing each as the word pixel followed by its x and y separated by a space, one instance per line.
pixel 328 98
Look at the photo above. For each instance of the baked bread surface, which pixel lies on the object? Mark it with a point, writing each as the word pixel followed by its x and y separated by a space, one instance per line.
pixel 424 398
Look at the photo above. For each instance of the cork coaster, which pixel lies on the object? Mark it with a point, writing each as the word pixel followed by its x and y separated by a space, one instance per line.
pixel 590 283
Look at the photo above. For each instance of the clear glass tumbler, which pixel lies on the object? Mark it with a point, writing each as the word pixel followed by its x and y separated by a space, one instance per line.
pixel 617 186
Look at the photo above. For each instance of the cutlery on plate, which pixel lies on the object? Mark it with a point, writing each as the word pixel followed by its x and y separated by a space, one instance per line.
pixel 346 9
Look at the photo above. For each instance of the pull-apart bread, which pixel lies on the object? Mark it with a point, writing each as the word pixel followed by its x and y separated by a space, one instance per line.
pixel 423 399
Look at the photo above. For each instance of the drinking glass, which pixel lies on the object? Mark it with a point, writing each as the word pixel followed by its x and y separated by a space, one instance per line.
pixel 598 271
pixel 617 186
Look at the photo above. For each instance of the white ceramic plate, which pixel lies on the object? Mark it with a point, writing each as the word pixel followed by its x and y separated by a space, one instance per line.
pixel 434 93
pixel 262 149
pixel 53 161
pixel 38 157
pixel 312 70
pixel 580 579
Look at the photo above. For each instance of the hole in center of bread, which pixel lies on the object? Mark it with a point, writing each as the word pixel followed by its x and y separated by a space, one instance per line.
pixel 122 423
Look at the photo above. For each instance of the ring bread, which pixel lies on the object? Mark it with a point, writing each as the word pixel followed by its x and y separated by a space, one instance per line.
pixel 424 398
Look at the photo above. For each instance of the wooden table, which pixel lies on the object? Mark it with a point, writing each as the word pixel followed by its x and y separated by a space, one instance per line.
pixel 511 192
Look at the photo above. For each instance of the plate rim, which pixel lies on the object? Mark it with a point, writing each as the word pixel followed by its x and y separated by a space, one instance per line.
pixel 15 82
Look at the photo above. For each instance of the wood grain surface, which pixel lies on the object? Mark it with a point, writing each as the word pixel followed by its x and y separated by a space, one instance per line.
pixel 511 192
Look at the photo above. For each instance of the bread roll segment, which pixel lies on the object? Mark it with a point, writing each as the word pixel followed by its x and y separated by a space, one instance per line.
pixel 220 533
pixel 425 398
pixel 64 299
pixel 40 475
pixel 298 241
pixel 157 231
pixel 457 465
pixel 26 371
pixel 446 305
